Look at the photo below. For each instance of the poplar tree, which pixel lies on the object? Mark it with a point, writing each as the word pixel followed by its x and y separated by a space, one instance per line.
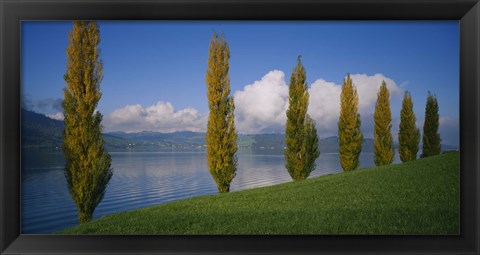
pixel 431 137
pixel 300 132
pixel 87 167
pixel 221 137
pixel 311 144
pixel 408 134
pixel 382 136
pixel 350 136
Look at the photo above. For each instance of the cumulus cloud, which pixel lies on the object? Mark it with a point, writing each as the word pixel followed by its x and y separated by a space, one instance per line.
pixel 261 106
pixel 324 105
pixel 367 87
pixel 161 117
pixel 56 116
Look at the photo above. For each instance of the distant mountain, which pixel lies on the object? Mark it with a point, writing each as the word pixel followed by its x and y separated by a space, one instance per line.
pixel 256 144
pixel 275 144
pixel 39 131
pixel 42 132
pixel 185 137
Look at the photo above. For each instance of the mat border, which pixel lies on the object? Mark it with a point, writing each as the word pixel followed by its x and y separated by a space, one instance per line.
pixel 14 11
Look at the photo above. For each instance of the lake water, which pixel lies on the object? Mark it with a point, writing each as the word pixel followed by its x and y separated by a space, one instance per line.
pixel 143 179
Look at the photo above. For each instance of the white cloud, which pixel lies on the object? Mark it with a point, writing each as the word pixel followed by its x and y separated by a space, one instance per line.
pixel 160 117
pixel 56 116
pixel 367 87
pixel 324 105
pixel 260 107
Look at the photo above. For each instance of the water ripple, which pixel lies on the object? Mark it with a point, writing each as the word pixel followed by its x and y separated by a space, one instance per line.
pixel 141 180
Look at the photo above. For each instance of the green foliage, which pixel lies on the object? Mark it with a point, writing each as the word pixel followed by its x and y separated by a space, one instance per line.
pixel 431 137
pixel 350 136
pixel 311 144
pixel 383 141
pixel 418 197
pixel 408 134
pixel 221 137
pixel 300 134
pixel 87 163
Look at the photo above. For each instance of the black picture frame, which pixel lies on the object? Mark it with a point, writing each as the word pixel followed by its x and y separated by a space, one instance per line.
pixel 14 11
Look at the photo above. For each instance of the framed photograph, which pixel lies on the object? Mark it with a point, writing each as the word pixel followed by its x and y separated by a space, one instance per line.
pixel 239 127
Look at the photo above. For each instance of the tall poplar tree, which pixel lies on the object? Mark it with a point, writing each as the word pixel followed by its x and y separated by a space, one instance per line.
pixel 382 136
pixel 431 137
pixel 300 133
pixel 87 167
pixel 408 134
pixel 221 137
pixel 350 135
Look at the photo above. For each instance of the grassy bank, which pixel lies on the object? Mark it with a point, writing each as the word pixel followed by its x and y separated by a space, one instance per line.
pixel 420 197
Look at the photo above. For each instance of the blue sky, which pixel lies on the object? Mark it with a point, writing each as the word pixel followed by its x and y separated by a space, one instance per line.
pixel 154 72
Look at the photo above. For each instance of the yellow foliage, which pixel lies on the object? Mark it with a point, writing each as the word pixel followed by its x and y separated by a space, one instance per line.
pixel 87 167
pixel 221 137
pixel 383 140
pixel 300 133
pixel 350 136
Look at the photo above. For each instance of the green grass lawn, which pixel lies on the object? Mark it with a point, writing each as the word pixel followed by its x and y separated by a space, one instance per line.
pixel 419 197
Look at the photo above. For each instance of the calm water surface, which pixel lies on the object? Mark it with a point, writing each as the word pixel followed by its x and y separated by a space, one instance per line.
pixel 143 179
